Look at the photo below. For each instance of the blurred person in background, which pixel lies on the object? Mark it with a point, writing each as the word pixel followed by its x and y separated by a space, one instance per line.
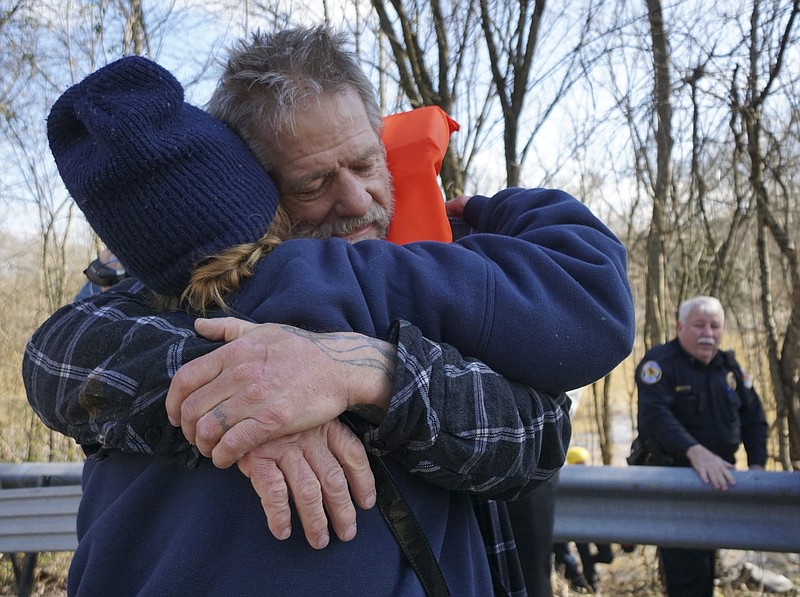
pixel 102 273
pixel 585 577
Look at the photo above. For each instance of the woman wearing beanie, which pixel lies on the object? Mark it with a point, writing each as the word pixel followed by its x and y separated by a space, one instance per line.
pixel 185 206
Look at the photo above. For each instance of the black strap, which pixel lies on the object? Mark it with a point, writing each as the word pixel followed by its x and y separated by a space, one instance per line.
pixel 407 530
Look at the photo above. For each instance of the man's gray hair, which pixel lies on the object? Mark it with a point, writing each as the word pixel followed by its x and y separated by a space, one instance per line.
pixel 705 304
pixel 271 75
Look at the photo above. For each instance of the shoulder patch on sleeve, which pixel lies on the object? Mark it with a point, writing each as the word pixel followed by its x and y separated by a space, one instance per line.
pixel 746 378
pixel 650 372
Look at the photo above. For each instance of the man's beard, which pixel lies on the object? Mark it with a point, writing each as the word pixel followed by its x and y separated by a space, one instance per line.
pixel 376 216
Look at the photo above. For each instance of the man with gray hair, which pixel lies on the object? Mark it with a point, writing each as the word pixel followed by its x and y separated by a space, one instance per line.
pixel 696 405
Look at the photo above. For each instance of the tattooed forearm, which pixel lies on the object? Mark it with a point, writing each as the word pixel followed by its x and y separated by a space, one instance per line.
pixel 364 369
pixel 353 350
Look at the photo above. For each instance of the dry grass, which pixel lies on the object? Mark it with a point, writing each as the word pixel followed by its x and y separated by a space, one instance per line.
pixel 629 575
pixel 23 436
pixel 50 579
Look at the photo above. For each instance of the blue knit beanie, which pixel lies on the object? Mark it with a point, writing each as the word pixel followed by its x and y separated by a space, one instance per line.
pixel 163 183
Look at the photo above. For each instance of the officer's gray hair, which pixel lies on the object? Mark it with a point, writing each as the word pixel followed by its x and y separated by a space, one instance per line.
pixel 705 304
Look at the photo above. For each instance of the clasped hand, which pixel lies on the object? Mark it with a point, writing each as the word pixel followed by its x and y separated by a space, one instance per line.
pixel 268 401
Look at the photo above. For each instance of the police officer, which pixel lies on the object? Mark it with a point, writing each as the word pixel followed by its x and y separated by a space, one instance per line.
pixel 696 405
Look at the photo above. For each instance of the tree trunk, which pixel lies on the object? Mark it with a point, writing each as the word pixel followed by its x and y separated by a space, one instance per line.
pixel 655 285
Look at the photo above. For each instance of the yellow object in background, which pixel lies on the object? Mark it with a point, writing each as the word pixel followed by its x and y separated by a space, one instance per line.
pixel 577 455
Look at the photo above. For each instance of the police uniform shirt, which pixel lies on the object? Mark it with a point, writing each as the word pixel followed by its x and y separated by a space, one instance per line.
pixel 683 402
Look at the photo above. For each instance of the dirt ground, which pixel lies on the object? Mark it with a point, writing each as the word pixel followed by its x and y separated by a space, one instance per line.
pixel 636 574
pixel 632 574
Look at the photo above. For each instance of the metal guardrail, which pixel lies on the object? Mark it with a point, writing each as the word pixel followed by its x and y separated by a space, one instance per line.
pixel 38 506
pixel 39 474
pixel 38 512
pixel 37 519
pixel 672 507
pixel 640 505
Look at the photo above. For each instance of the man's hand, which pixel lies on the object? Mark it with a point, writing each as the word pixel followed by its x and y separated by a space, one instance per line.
pixel 710 467
pixel 314 468
pixel 273 380
pixel 218 399
pixel 455 207
pixel 258 387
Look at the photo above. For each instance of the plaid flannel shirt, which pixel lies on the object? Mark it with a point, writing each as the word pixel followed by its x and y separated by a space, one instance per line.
pixel 98 371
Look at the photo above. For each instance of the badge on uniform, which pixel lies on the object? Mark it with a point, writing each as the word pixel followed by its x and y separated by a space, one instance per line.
pixel 730 378
pixel 651 372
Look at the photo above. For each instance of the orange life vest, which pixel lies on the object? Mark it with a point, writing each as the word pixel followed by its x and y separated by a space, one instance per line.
pixel 416 142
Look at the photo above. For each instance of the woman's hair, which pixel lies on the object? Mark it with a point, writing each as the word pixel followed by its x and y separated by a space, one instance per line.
pixel 217 276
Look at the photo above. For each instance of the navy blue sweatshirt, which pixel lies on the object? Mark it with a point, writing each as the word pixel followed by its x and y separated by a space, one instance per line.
pixel 539 293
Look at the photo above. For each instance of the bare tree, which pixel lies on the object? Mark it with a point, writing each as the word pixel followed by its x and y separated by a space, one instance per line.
pixel 655 326
pixel 748 102
pixel 430 43
pixel 604 418
pixel 135 39
pixel 49 46
pixel 33 183
pixel 511 53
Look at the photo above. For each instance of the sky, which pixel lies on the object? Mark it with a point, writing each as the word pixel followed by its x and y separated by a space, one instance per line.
pixel 197 38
